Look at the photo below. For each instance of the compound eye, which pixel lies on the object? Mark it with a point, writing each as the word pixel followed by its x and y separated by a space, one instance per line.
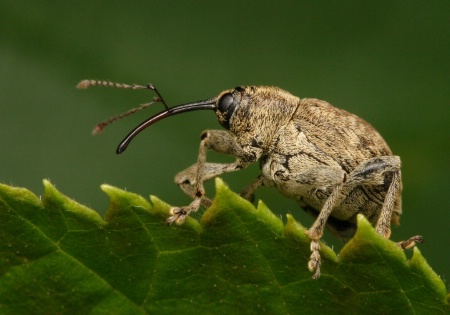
pixel 226 104
pixel 225 109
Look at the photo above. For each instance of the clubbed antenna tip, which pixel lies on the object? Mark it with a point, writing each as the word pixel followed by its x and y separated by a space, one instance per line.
pixel 98 129
pixel 84 84
pixel 87 83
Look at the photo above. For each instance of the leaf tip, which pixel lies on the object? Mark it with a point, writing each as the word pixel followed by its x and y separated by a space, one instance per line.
pixel 420 264
pixel 53 196
pixel 107 188
pixel 48 186
pixel 120 198
pixel 362 221
pixel 220 185
pixel 365 231
pixel 225 195
pixel 294 229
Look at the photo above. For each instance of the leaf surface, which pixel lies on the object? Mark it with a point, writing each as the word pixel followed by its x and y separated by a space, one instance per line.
pixel 57 256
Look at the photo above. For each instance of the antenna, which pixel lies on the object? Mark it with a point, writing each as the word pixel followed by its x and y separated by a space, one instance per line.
pixel 99 127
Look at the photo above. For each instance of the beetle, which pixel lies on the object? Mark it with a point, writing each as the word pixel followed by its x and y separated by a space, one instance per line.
pixel 332 162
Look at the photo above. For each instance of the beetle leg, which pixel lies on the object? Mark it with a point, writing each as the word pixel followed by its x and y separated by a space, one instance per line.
pixel 191 180
pixel 314 260
pixel 248 192
pixel 374 171
pixel 411 242
pixel 186 180
pixel 383 226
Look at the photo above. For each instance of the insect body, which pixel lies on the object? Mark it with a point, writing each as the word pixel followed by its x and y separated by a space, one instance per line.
pixel 333 163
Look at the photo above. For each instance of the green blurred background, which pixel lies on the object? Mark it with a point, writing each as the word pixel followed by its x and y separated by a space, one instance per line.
pixel 388 62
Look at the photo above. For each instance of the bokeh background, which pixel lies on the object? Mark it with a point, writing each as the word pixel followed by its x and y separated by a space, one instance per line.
pixel 388 62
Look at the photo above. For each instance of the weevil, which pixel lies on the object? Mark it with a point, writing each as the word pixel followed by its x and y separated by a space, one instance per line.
pixel 332 162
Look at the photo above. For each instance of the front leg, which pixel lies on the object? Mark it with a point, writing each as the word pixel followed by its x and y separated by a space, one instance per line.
pixel 186 179
pixel 191 180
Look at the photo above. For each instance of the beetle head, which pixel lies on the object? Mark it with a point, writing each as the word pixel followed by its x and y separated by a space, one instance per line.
pixel 224 105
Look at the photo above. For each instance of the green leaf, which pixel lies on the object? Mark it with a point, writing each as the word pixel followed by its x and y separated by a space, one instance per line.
pixel 59 257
